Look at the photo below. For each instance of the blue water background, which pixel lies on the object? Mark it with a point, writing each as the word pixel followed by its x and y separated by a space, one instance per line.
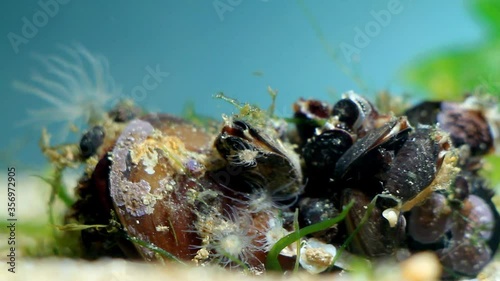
pixel 241 51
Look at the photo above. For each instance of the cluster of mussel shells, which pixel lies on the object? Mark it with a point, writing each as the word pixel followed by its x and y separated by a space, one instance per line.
pixel 227 195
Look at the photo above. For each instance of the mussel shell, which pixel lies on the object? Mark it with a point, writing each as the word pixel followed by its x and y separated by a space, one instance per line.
pixel 476 220
pixel 476 193
pixel 91 141
pixel 461 188
pixel 149 180
pixel 465 125
pixel 468 250
pixel 194 138
pixel 430 221
pixel 385 135
pixel 356 112
pixel 424 113
pixel 415 165
pixel 94 207
pixel 228 145
pixel 468 127
pixel 307 114
pixel 275 168
pixel 464 258
pixel 480 188
pixel 322 152
pixel 348 111
pixel 376 238
pixel 314 210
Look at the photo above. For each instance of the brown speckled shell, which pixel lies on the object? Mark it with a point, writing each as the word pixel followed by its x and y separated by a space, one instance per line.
pixel 150 181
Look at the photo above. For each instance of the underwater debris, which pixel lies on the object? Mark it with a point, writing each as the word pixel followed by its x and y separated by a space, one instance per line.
pixel 360 185
pixel 77 85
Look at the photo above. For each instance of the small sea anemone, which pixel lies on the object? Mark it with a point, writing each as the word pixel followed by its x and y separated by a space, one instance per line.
pixel 244 158
pixel 230 238
pixel 274 232
pixel 76 83
pixel 258 200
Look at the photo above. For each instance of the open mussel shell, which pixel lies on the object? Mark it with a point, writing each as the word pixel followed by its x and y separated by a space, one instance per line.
pixel 350 112
pixel 356 112
pixel 156 163
pixel 386 135
pixel 308 115
pixel 264 161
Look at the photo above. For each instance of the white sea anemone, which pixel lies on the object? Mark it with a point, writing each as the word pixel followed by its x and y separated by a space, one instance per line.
pixel 244 158
pixel 259 200
pixel 76 83
pixel 231 238
pixel 274 232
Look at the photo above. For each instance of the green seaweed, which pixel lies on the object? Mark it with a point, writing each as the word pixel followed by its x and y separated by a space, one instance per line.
pixel 246 110
pixel 273 93
pixel 448 74
pixel 79 227
pixel 364 219
pixel 272 262
pixel 154 248
pixel 59 190
pixel 491 170
pixel 296 226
